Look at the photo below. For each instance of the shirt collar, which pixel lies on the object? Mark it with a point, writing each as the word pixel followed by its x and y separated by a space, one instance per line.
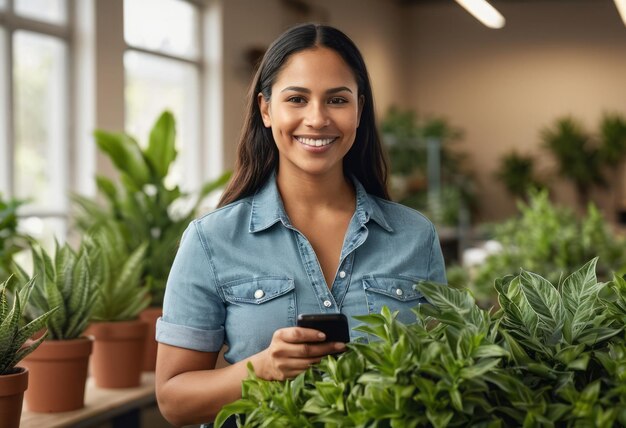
pixel 268 208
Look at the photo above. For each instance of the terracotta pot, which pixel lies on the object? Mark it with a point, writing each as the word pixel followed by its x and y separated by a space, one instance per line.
pixel 12 387
pixel 117 353
pixel 55 363
pixel 150 316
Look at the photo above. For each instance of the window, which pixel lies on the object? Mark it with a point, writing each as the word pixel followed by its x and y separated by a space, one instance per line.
pixel 34 76
pixel 162 71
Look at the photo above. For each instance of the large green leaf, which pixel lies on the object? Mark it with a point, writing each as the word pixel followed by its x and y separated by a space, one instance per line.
pixel 161 150
pixel 126 155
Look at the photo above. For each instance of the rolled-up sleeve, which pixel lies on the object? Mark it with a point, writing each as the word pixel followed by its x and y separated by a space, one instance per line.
pixel 193 311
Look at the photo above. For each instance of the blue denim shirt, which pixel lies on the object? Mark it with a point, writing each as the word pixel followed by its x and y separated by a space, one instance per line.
pixel 243 271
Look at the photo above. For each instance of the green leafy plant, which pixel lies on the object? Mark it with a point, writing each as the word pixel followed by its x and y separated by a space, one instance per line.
pixel 553 355
pixel 66 282
pixel 15 343
pixel 577 156
pixel 549 240
pixel 517 174
pixel 11 240
pixel 406 135
pixel 147 211
pixel 122 295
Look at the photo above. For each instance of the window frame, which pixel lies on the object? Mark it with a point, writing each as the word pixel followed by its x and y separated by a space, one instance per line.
pixel 201 102
pixel 12 23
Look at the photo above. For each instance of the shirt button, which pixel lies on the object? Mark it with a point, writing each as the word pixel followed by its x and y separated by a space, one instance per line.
pixel 342 274
pixel 399 291
pixel 328 303
pixel 258 294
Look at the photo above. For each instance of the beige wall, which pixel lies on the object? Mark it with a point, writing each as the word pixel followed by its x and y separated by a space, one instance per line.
pixel 502 87
pixel 373 24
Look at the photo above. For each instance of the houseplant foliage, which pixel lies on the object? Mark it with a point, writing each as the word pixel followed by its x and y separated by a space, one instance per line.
pixel 553 355
pixel 11 240
pixel 118 275
pixel 143 206
pixel 119 333
pixel 406 135
pixel 14 334
pixel 517 174
pixel 549 240
pixel 64 281
pixel 589 160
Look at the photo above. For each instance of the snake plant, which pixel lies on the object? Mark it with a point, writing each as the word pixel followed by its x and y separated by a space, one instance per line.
pixel 122 291
pixel 65 281
pixel 14 336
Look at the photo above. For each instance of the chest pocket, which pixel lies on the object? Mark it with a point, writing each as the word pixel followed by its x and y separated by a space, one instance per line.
pixel 396 292
pixel 256 307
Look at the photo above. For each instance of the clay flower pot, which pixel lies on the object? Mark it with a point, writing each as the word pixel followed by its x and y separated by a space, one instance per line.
pixel 150 316
pixel 118 350
pixel 12 387
pixel 58 374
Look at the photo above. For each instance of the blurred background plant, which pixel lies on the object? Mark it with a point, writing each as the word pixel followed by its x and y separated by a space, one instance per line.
pixel 517 174
pixel 146 210
pixel 406 137
pixel 546 239
pixel 12 241
pixel 589 160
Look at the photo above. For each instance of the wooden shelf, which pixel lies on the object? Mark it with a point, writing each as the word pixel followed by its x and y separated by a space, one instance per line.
pixel 101 405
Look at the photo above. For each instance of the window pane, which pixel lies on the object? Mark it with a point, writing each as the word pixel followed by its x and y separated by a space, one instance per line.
pixel 168 26
pixel 4 146
pixel 152 85
pixel 40 121
pixel 53 11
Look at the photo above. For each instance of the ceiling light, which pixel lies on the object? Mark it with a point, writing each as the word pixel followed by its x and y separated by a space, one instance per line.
pixel 488 15
pixel 621 7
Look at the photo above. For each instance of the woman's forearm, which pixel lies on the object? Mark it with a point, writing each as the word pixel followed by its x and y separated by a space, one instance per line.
pixel 197 396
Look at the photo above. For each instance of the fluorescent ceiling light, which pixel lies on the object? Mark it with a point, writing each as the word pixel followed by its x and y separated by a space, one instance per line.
pixel 621 7
pixel 487 14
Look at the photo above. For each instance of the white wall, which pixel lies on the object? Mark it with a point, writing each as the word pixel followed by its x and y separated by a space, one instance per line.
pixel 553 58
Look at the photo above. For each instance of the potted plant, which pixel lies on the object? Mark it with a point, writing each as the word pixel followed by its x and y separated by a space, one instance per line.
pixel 119 334
pixel 517 174
pixel 145 208
pixel 15 344
pixel 66 282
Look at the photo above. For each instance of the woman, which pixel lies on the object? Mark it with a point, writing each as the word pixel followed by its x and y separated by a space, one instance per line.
pixel 305 226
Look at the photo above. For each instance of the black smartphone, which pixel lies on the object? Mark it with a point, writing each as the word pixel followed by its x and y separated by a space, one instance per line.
pixel 334 326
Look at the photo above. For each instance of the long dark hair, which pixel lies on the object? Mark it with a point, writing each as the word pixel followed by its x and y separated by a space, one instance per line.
pixel 257 155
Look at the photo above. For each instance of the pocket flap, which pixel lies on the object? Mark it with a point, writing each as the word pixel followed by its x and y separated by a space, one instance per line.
pixel 400 288
pixel 257 290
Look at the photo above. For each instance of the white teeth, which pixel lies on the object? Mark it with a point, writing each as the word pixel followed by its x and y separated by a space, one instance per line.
pixel 315 142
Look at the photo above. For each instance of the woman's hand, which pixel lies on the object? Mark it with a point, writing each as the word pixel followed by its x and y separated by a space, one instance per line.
pixel 292 351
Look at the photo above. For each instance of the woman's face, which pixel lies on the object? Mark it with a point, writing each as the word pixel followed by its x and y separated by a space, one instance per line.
pixel 314 112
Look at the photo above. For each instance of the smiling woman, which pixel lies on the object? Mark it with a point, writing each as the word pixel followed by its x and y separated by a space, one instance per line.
pixel 305 226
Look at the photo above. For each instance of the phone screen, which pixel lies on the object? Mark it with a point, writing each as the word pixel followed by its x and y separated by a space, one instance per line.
pixel 334 326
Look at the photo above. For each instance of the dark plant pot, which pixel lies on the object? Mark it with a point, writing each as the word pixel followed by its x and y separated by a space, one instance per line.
pixel 12 387
pixel 150 316
pixel 59 373
pixel 118 350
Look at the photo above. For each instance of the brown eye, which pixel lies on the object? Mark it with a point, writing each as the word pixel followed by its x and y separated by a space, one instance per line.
pixel 337 100
pixel 296 100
